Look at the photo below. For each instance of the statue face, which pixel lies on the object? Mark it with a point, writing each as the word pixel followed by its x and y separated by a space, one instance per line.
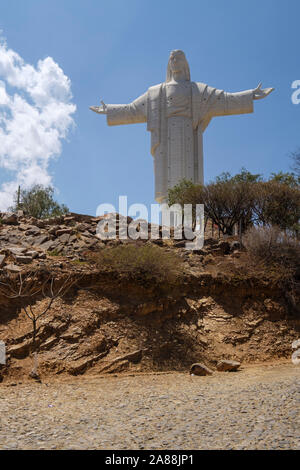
pixel 178 66
pixel 177 63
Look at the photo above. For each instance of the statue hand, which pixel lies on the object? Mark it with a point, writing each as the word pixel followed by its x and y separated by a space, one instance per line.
pixel 99 109
pixel 259 93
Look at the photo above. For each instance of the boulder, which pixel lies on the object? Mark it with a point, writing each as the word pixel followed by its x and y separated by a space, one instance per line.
pixel 228 366
pixel 23 227
pixel 16 251
pixel 40 240
pixel 53 229
pixel 40 223
pixel 13 238
pixel 47 246
pixel 200 369
pixel 10 219
pixel 64 238
pixel 59 248
pixel 12 268
pixel 80 227
pixel 72 239
pixel 33 230
pixel 87 234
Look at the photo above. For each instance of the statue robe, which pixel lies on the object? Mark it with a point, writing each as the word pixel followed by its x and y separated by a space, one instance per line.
pixel 177 117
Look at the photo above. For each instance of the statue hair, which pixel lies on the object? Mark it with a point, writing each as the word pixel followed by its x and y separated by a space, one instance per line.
pixel 187 73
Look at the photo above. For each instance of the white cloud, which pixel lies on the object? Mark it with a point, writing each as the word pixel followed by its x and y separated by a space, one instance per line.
pixel 35 116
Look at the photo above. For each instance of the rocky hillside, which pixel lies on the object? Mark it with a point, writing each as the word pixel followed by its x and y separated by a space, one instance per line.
pixel 224 308
pixel 23 240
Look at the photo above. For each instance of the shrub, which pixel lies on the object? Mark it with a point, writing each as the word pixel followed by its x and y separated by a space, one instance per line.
pixel 146 263
pixel 38 202
pixel 273 246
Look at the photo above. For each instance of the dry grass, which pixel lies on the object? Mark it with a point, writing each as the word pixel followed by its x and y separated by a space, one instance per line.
pixel 272 246
pixel 142 263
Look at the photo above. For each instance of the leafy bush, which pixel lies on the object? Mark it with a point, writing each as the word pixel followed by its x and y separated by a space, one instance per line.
pixel 146 263
pixel 38 202
pixel 273 246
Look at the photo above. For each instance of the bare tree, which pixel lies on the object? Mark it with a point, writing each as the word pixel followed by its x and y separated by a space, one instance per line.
pixel 229 203
pixel 295 156
pixel 28 287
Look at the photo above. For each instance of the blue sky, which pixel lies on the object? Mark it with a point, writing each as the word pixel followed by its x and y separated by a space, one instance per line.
pixel 114 50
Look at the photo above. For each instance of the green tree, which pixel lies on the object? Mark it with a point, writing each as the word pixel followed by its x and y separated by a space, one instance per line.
pixel 38 202
pixel 290 179
pixel 278 204
pixel 182 193
pixel 186 192
pixel 244 176
pixel 245 199
pixel 227 201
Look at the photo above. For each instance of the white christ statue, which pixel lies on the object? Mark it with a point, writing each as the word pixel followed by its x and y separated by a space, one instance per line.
pixel 177 112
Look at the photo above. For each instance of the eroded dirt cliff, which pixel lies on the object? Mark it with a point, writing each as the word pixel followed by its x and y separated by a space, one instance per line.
pixel 223 308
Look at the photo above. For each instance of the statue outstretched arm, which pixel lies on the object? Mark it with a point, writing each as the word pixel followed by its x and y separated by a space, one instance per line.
pixel 225 104
pixel 117 114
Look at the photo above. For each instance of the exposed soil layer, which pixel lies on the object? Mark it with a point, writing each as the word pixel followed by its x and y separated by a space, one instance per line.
pixel 224 307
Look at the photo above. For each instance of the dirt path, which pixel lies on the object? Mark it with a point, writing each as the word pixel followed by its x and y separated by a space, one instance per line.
pixel 256 408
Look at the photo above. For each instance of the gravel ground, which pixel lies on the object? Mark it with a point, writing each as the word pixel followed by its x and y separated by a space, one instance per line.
pixel 255 408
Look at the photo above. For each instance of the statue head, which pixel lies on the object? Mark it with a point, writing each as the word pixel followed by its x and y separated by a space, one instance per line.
pixel 178 65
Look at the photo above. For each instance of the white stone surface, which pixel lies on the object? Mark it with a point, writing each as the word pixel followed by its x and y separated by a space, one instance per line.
pixel 177 112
